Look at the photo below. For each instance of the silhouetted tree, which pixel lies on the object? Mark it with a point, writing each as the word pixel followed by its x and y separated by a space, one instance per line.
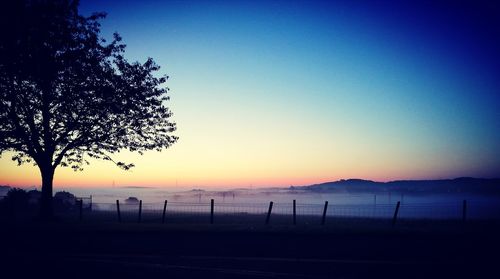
pixel 67 95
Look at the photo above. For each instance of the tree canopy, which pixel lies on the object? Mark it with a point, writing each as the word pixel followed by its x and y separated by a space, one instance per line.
pixel 66 94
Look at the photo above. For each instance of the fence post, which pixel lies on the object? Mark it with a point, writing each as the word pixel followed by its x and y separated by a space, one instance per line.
pixel 118 211
pixel 294 213
pixel 164 210
pixel 90 207
pixel 81 209
pixel 464 211
pixel 211 211
pixel 269 212
pixel 395 217
pixel 140 212
pixel 323 219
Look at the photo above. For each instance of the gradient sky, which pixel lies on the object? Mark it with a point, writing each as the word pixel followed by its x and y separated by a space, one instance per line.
pixel 279 93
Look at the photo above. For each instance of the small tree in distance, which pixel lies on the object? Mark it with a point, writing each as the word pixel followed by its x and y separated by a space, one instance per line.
pixel 66 95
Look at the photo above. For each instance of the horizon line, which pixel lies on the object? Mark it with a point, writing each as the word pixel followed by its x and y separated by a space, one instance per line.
pixel 246 187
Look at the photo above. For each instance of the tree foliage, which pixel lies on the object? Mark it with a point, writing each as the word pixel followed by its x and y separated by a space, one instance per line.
pixel 67 95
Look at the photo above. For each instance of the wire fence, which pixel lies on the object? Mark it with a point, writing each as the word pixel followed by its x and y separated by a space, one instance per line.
pixel 83 209
pixel 279 213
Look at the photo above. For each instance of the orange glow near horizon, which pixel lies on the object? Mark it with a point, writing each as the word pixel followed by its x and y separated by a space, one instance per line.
pixel 230 156
pixel 172 170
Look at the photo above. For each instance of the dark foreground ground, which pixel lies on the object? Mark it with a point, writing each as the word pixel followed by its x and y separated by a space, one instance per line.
pixel 111 250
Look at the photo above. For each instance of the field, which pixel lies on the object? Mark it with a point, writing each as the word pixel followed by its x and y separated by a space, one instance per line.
pixel 342 248
pixel 248 240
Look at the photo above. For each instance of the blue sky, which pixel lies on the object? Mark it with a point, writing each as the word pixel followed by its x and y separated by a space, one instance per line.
pixel 291 92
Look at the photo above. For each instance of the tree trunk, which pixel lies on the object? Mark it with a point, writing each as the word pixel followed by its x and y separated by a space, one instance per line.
pixel 46 210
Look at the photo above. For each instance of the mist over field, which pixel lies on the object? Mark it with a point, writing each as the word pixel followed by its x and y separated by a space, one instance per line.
pixel 439 198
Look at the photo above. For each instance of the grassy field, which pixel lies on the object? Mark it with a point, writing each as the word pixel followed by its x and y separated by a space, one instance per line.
pixel 344 248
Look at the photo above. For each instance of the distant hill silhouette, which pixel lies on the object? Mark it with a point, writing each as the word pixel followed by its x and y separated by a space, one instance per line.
pixel 457 185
